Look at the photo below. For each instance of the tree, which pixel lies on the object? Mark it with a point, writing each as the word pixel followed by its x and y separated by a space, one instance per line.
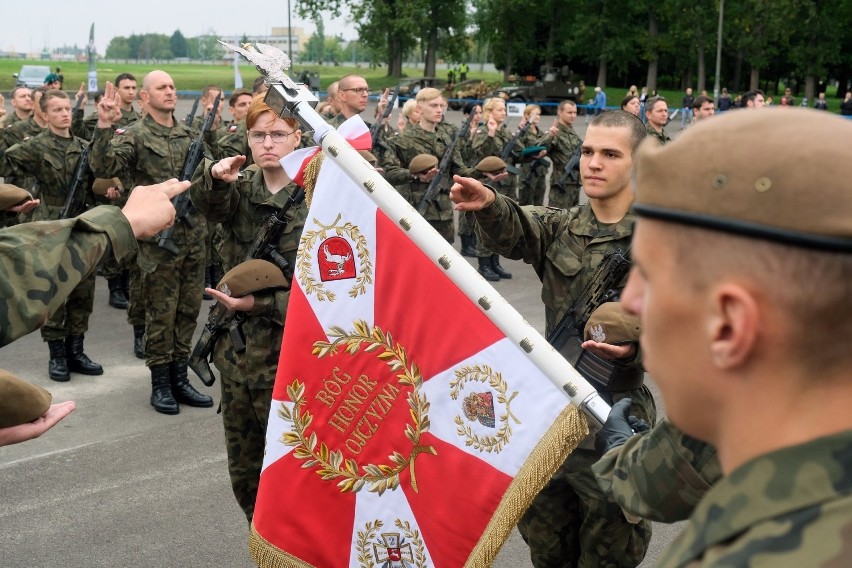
pixel 118 48
pixel 447 20
pixel 507 25
pixel 178 45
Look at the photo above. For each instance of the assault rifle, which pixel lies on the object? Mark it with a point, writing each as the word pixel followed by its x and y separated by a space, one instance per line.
pixel 222 319
pixel 377 127
pixel 191 116
pixel 572 169
pixel 510 145
pixel 602 287
pixel 182 202
pixel 434 185
pixel 75 197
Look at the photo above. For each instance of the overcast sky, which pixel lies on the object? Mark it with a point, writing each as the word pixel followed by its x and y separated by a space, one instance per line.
pixel 54 23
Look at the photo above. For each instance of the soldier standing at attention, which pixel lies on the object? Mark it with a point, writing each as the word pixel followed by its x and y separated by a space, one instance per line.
pixel 22 106
pixel 743 282
pixel 533 179
pixel 572 522
pixel 51 159
pixel 656 118
pixel 152 150
pixel 561 142
pixel 242 205
pixel 22 131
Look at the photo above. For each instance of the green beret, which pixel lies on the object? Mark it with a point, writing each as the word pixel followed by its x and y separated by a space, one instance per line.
pixel 101 185
pixel 252 276
pixel 422 163
pixel 491 165
pixel 11 195
pixel 776 174
pixel 20 401
pixel 611 324
pixel 371 159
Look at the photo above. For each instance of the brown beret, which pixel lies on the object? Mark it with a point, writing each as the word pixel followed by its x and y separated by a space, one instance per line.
pixel 101 185
pixel 20 401
pixel 11 195
pixel 491 165
pixel 371 159
pixel 422 163
pixel 611 324
pixel 251 276
pixel 776 174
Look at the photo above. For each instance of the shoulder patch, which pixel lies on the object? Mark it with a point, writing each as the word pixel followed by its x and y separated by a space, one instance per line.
pixel 120 130
pixel 232 128
pixel 25 138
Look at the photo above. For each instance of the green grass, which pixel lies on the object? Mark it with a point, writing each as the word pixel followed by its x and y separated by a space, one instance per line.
pixel 194 76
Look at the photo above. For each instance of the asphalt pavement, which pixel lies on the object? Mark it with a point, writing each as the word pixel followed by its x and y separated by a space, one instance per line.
pixel 117 484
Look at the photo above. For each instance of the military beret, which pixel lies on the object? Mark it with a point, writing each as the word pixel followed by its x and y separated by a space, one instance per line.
pixel 490 165
pixel 422 163
pixel 101 185
pixel 611 324
pixel 11 195
pixel 251 276
pixel 20 401
pixel 781 175
pixel 371 159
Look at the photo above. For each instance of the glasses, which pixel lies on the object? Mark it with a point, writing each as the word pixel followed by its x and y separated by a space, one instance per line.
pixel 358 90
pixel 278 137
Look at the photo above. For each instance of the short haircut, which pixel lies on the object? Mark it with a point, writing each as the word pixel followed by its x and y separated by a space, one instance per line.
pixel 51 94
pixel 700 100
pixel 565 103
pixel 258 83
pixel 750 96
pixel 124 77
pixel 427 94
pixel 18 88
pixel 652 102
pixel 347 79
pixel 529 109
pixel 408 107
pixel 209 89
pixel 623 119
pixel 232 100
pixel 258 107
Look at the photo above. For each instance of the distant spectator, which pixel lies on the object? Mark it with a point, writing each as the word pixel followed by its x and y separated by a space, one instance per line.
pixel 60 77
pixel 788 94
pixel 52 81
pixel 804 103
pixel 686 106
pixel 630 104
pixel 643 98
pixel 725 102
pixel 600 100
pixel 821 103
pixel 702 108
pixel 754 99
pixel 846 105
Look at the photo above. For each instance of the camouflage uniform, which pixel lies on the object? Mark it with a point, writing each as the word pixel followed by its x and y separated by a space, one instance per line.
pixel 571 522
pixel 171 284
pixel 661 135
pixel 532 182
pixel 248 377
pixel 788 508
pixel 235 143
pixel 415 140
pixel 560 148
pixel 51 161
pixel 59 255
pixel 466 228
pixel 21 131
pixel 659 475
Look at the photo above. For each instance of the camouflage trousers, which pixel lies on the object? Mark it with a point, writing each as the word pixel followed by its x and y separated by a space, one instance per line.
pixel 245 412
pixel 171 288
pixel 135 299
pixel 532 184
pixel 563 199
pixel 572 523
pixel 72 317
pixel 466 226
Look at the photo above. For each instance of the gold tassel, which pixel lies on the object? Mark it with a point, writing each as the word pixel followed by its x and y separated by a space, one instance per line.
pixel 311 174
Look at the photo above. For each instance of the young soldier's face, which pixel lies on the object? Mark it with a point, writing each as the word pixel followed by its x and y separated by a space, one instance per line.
pixel 606 161
pixel 58 113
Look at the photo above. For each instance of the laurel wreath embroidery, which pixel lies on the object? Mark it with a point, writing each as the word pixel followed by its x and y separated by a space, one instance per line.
pixel 362 545
pixel 304 259
pixel 330 464
pixel 414 536
pixel 495 380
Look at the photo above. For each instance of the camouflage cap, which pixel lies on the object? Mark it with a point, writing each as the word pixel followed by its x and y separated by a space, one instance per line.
pixel 252 276
pixel 11 195
pixel 367 155
pixel 101 185
pixel 422 163
pixel 20 401
pixel 491 165
pixel 788 181
pixel 611 324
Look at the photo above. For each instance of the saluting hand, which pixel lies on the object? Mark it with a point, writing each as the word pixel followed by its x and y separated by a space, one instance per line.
pixel 109 109
pixel 555 128
pixel 469 194
pixel 81 94
pixel 228 169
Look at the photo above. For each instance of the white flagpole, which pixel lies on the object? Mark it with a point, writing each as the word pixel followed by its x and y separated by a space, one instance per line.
pixel 238 79
pixel 299 102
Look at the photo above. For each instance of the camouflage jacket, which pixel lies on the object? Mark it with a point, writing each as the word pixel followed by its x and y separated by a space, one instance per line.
pixel 563 246
pixel 234 143
pixel 484 145
pixel 148 153
pixel 242 208
pixel 661 135
pixel 659 475
pixel 42 263
pixel 788 508
pixel 560 147
pixel 51 160
pixel 85 127
pixel 533 168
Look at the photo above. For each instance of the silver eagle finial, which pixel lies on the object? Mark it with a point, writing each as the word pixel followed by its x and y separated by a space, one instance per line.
pixel 269 60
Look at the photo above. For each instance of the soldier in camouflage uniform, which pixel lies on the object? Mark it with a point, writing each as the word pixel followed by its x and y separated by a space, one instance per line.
pixel 152 150
pixel 21 131
pixel 58 255
pixel 21 98
pixel 532 182
pixel 426 138
pixel 243 205
pixel 656 118
pixel 744 291
pixel 467 234
pixel 572 522
pixel 561 141
pixel 51 158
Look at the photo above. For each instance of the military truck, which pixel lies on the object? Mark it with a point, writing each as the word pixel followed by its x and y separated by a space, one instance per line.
pixel 551 87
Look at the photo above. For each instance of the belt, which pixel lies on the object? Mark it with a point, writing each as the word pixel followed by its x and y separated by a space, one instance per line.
pixel 607 375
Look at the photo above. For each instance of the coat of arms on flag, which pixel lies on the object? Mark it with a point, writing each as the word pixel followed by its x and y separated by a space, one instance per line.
pixel 406 429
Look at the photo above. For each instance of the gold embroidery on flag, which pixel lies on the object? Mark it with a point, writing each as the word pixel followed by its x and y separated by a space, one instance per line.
pixel 304 259
pixel 390 549
pixel 474 411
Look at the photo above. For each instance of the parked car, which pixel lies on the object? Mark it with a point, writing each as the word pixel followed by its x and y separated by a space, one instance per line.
pixel 31 75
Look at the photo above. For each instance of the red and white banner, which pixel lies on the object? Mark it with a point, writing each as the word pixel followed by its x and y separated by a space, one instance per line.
pixel 406 429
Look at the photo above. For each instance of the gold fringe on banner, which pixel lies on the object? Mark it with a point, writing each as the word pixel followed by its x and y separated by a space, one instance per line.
pixel 267 555
pixel 311 174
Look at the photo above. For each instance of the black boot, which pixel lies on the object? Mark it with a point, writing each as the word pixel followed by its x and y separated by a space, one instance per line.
pixel 57 369
pixel 117 298
pixel 138 334
pixel 183 391
pixel 468 247
pixel 495 265
pixel 216 274
pixel 79 362
pixel 207 284
pixel 486 271
pixel 161 391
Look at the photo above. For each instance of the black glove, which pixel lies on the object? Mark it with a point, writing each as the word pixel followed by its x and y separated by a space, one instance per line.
pixel 619 426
